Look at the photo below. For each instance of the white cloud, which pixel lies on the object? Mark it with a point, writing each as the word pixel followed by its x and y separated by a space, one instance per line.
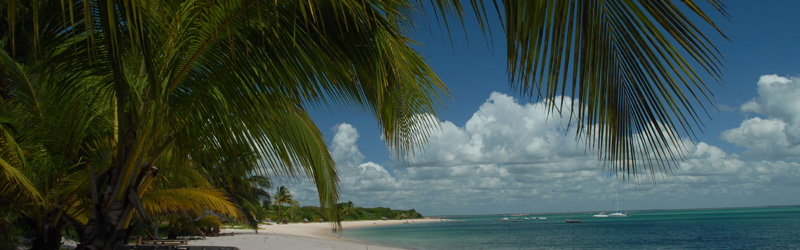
pixel 775 132
pixel 343 148
pixel 511 157
pixel 502 131
pixel 357 178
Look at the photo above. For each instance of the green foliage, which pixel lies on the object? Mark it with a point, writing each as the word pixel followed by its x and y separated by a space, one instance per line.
pixel 351 212
pixel 312 213
pixel 348 212
pixel 236 176
pixel 192 225
pixel 8 235
pixel 282 196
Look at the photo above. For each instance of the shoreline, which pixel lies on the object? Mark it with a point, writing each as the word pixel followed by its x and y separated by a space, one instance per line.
pixel 302 236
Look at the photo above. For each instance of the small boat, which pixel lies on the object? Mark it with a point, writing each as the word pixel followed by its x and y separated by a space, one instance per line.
pixel 542 218
pixel 569 220
pixel 505 219
pixel 517 221
pixel 600 215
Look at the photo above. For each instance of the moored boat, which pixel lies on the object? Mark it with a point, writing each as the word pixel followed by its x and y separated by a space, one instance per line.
pixel 619 214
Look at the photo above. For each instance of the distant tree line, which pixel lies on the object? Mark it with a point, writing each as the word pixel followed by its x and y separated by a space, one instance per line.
pixel 349 211
pixel 281 206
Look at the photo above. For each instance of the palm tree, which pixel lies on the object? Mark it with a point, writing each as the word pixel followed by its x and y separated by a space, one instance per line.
pixel 203 78
pixel 283 196
pixel 347 208
pixel 52 127
pixel 195 89
pixel 67 124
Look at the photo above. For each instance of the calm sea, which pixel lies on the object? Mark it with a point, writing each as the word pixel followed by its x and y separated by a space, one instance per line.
pixel 751 228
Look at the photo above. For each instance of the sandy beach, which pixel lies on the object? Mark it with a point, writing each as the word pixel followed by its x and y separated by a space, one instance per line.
pixel 301 236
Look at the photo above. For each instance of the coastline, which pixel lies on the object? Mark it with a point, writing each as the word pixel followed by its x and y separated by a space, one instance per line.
pixel 301 236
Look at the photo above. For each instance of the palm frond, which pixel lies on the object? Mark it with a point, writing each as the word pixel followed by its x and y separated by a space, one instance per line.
pixel 627 75
pixel 13 175
pixel 185 200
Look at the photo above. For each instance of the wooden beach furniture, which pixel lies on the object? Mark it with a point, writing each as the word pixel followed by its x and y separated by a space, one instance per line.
pixel 165 242
pixel 155 242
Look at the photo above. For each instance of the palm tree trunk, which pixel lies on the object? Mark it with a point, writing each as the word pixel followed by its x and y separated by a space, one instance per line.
pixel 108 228
pixel 105 229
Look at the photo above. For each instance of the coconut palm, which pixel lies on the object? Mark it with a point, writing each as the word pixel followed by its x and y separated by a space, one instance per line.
pixel 52 123
pixel 66 123
pixel 348 208
pixel 206 77
pixel 283 196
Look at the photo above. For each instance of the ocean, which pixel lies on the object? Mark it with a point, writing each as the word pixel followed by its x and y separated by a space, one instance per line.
pixel 742 228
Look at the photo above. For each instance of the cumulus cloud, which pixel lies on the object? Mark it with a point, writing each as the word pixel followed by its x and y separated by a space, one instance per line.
pixel 775 131
pixel 511 157
pixel 503 131
pixel 357 178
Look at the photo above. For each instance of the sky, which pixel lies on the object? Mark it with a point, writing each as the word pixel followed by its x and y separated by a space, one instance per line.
pixel 500 153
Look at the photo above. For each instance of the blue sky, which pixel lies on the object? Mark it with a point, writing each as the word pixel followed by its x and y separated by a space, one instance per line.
pixel 497 153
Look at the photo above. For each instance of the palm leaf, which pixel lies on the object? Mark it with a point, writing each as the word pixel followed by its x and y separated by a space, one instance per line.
pixel 13 175
pixel 181 84
pixel 185 200
pixel 629 64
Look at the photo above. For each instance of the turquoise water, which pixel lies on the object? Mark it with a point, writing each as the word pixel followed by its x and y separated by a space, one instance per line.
pixel 752 228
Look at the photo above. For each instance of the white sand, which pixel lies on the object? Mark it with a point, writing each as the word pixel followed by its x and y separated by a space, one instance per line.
pixel 301 236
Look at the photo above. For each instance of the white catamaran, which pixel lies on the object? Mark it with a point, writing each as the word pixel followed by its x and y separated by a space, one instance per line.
pixel 615 214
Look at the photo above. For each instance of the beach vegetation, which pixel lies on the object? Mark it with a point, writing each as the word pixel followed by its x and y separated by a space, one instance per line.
pixel 175 225
pixel 282 196
pixel 350 211
pixel 197 80
pixel 9 235
pixel 238 178
pixel 116 114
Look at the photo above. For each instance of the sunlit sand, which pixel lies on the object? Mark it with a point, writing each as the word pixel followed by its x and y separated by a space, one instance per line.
pixel 302 236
